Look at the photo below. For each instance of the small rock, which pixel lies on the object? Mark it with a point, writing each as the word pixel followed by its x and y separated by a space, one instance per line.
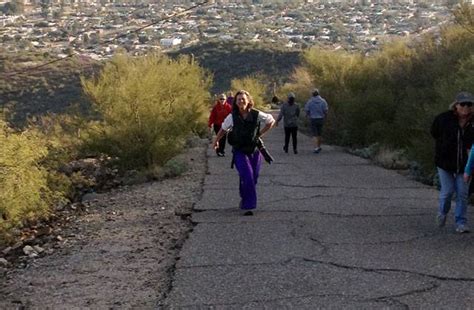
pixel 6 250
pixel 38 249
pixel 59 238
pixel 28 250
pixel 17 245
pixel 46 230
pixel 89 197
pixel 3 262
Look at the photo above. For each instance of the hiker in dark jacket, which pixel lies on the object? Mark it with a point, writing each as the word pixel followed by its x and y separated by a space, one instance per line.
pixel 453 132
pixel 290 112
pixel 243 127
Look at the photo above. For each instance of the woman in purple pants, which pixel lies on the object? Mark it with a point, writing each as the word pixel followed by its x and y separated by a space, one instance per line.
pixel 243 128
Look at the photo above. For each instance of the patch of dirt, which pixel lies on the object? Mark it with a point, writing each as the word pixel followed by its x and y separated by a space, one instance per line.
pixel 119 252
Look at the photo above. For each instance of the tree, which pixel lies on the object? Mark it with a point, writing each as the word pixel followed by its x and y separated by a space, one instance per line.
pixel 253 85
pixel 149 106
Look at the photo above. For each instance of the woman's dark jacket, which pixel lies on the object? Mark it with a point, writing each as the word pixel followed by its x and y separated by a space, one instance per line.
pixel 452 141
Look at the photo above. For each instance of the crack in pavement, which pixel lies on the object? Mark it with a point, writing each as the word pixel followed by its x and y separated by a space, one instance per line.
pixel 378 270
pixel 282 263
pixel 432 287
pixel 278 183
pixel 353 297
pixel 347 215
pixel 357 298
pixel 285 199
pixel 424 236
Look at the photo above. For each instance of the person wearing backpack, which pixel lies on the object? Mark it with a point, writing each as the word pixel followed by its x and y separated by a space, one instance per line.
pixel 243 130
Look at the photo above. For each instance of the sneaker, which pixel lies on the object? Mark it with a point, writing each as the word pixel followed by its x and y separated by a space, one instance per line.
pixel 285 149
pixel 220 154
pixel 461 229
pixel 441 220
pixel 317 150
pixel 248 213
pixel 295 151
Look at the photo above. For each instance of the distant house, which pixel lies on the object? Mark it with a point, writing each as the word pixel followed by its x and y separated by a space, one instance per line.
pixel 170 42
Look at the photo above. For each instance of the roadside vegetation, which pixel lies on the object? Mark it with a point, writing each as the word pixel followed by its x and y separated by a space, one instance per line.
pixel 143 111
pixel 388 100
pixel 137 113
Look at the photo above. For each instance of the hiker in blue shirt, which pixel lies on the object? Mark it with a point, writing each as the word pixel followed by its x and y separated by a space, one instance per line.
pixel 316 109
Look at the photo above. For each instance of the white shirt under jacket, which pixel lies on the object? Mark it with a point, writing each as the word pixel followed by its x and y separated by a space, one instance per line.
pixel 262 117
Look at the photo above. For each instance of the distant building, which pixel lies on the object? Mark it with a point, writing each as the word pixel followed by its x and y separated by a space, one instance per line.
pixel 170 42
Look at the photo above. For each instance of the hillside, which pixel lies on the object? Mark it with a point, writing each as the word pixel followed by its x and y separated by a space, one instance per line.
pixel 56 88
pixel 233 60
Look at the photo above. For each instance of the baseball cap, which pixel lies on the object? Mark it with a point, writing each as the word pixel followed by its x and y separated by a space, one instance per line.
pixel 291 95
pixel 464 97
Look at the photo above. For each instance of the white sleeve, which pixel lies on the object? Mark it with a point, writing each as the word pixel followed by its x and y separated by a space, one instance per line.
pixel 265 117
pixel 228 123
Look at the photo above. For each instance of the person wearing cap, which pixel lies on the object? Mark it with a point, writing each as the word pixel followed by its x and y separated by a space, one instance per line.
pixel 453 132
pixel 290 111
pixel 316 109
pixel 219 112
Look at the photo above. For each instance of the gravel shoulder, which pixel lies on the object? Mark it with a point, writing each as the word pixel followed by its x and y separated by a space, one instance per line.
pixel 119 253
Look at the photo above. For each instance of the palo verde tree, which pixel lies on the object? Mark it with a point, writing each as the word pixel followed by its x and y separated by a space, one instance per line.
pixel 255 88
pixel 391 96
pixel 149 105
pixel 24 190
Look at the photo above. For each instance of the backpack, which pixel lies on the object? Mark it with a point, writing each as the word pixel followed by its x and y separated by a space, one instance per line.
pixel 244 132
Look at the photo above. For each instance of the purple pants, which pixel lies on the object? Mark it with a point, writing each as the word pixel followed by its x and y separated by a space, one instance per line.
pixel 248 167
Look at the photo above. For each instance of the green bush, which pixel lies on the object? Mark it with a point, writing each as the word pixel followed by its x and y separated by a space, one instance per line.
pixel 391 96
pixel 255 88
pixel 148 105
pixel 24 191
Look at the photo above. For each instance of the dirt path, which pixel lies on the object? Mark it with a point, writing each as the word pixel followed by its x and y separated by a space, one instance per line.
pixel 119 254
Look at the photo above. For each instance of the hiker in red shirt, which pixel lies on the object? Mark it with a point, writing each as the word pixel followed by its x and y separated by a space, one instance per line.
pixel 218 113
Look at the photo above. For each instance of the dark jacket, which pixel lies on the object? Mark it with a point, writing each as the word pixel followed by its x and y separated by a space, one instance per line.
pixel 244 132
pixel 452 141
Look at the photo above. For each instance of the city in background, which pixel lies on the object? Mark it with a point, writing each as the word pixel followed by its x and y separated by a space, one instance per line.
pixel 96 29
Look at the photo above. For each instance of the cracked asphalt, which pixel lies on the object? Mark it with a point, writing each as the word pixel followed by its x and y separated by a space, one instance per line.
pixel 331 230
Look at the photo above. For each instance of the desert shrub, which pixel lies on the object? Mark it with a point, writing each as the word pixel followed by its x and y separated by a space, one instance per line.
pixel 148 105
pixel 174 167
pixel 391 96
pixel 255 88
pixel 61 135
pixel 392 159
pixel 24 191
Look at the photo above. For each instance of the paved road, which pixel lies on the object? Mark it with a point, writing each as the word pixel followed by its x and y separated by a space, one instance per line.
pixel 331 230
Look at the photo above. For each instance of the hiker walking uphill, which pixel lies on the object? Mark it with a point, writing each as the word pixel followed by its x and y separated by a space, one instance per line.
pixel 218 113
pixel 290 112
pixel 454 133
pixel 243 127
pixel 316 109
